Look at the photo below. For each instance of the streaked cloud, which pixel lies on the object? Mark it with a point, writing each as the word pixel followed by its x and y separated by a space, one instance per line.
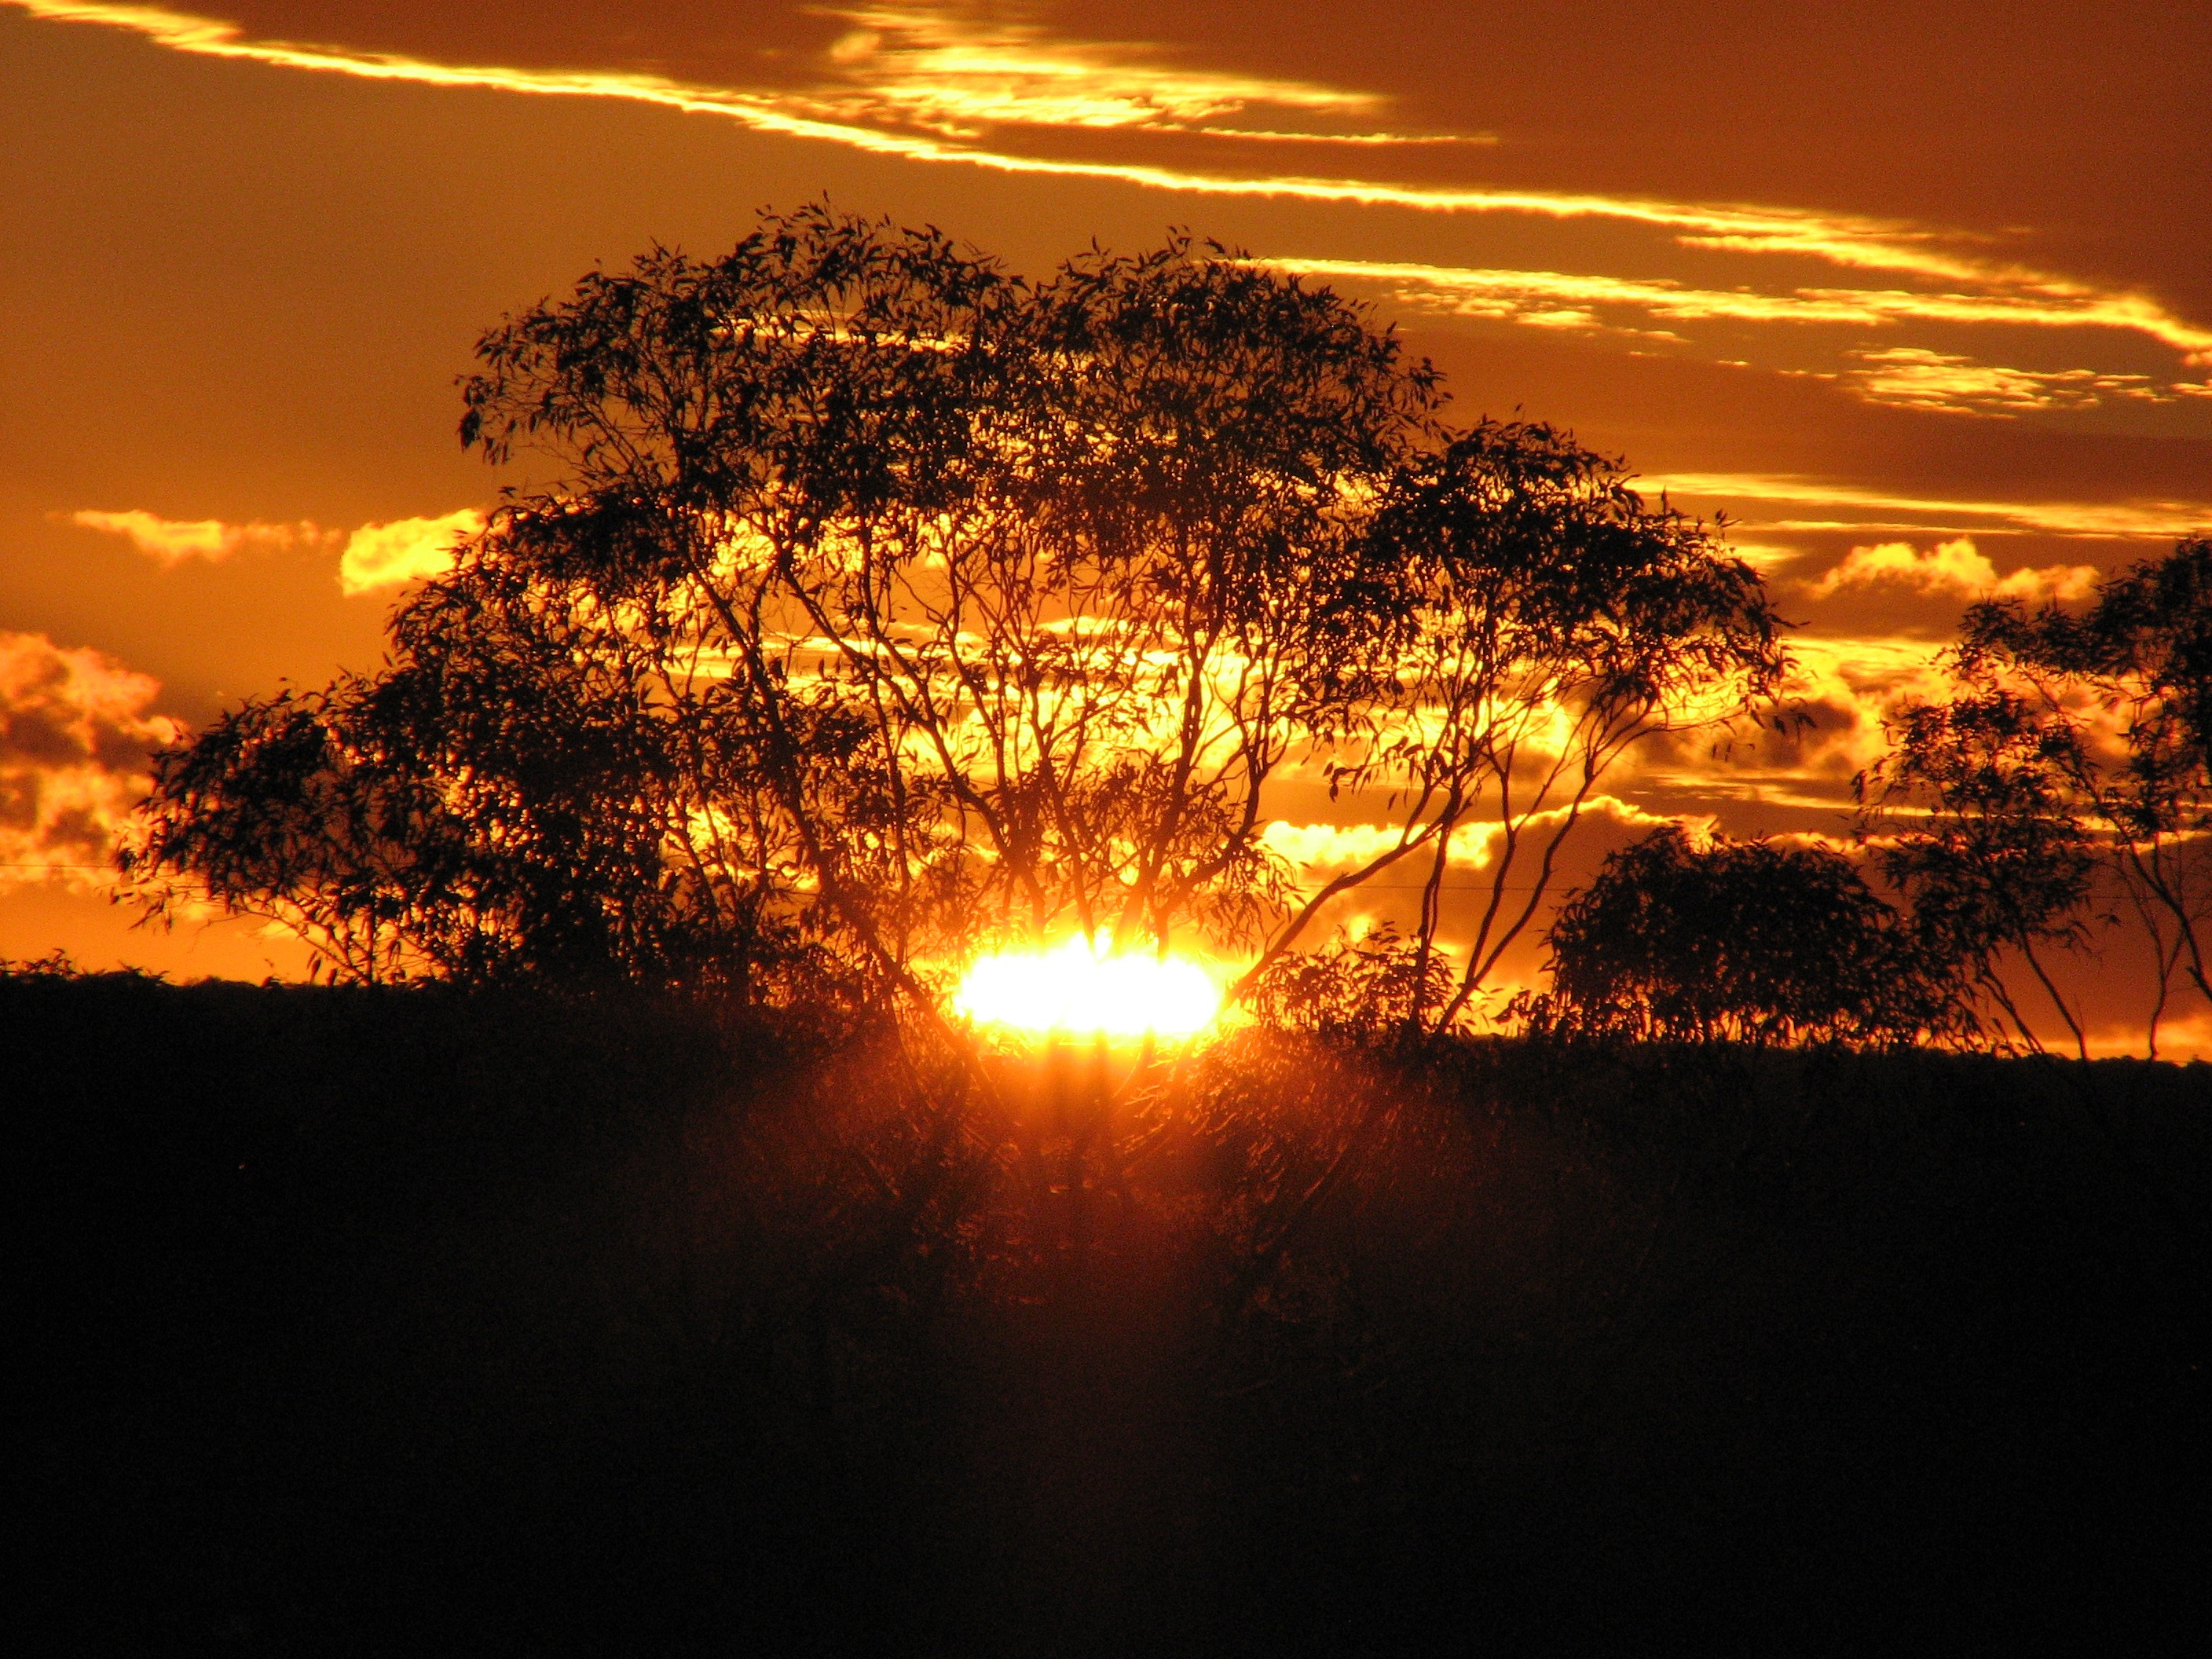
pixel 1326 850
pixel 76 727
pixel 1323 851
pixel 953 78
pixel 1855 506
pixel 1606 823
pixel 1566 298
pixel 2181 1037
pixel 961 75
pixel 1913 377
pixel 404 550
pixel 174 541
pixel 1954 569
pixel 376 556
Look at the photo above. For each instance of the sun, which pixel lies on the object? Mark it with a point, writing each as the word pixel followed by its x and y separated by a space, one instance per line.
pixel 1083 986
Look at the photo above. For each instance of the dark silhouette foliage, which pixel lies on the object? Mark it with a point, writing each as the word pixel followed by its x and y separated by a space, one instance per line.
pixel 1362 990
pixel 885 608
pixel 1524 585
pixel 2066 786
pixel 1736 942
pixel 2140 656
pixel 1988 843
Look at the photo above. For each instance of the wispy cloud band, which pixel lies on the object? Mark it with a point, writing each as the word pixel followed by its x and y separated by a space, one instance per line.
pixel 2128 521
pixel 174 541
pixel 1572 300
pixel 376 556
pixel 955 83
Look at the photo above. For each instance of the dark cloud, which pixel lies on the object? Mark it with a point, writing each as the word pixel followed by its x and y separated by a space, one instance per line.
pixel 76 730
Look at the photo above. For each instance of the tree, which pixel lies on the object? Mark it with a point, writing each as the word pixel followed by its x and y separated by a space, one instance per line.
pixel 1975 824
pixel 2141 659
pixel 1540 622
pixel 499 805
pixel 886 607
pixel 1734 941
pixel 282 810
pixel 2070 772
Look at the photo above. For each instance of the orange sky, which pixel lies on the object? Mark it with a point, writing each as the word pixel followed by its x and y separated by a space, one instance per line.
pixel 1922 296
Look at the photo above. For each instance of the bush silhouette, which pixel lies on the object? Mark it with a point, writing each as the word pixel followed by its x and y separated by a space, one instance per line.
pixel 1732 941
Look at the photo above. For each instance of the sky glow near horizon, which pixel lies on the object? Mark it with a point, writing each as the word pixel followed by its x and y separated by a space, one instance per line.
pixel 1921 302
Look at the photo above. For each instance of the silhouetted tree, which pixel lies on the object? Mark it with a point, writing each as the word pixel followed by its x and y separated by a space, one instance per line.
pixel 885 606
pixel 1538 620
pixel 2140 660
pixel 2070 772
pixel 289 809
pixel 1735 941
pixel 500 804
pixel 1976 822
pixel 1363 990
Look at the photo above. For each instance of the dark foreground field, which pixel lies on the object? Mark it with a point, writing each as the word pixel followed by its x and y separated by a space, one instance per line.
pixel 374 1320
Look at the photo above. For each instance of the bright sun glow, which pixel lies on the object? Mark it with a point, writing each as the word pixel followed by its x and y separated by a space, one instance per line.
pixel 1081 987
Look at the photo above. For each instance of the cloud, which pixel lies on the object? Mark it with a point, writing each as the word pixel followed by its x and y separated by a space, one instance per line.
pixel 1327 850
pixel 960 75
pixel 376 554
pixel 1800 758
pixel 1911 376
pixel 1845 688
pixel 76 729
pixel 1953 568
pixel 950 76
pixel 2183 1036
pixel 2137 520
pixel 1323 851
pixel 1572 300
pixel 172 541
pixel 404 550
pixel 1606 824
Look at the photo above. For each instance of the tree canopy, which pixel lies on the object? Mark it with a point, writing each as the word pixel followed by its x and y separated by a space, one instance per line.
pixel 884 607
pixel 1735 941
pixel 2068 782
pixel 2062 790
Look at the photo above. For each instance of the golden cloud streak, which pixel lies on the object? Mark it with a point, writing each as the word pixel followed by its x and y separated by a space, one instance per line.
pixel 1563 298
pixel 376 556
pixel 1913 377
pixel 1850 241
pixel 407 550
pixel 958 74
pixel 1319 851
pixel 172 541
pixel 2129 521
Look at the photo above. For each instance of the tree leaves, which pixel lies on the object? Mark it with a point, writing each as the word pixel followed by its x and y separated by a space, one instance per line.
pixel 1736 941
pixel 886 606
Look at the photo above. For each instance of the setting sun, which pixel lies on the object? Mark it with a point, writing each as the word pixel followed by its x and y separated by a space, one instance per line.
pixel 1083 987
